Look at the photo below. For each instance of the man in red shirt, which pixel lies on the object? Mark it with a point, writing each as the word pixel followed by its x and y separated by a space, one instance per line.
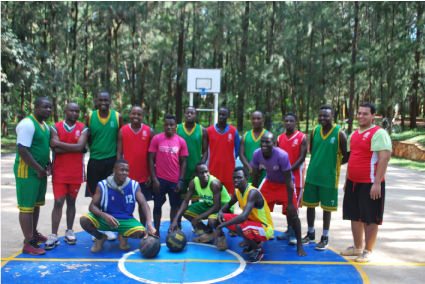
pixel 132 145
pixel 67 140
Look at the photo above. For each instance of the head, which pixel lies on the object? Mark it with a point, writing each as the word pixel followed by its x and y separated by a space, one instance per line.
pixel 267 143
pixel 202 172
pixel 136 115
pixel 290 121
pixel 326 115
pixel 72 112
pixel 103 100
pixel 190 114
pixel 366 115
pixel 223 114
pixel 120 171
pixel 42 108
pixel 170 124
pixel 240 177
pixel 257 119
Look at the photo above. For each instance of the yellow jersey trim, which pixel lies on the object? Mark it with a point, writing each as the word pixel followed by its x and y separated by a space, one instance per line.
pixel 329 133
pixel 259 137
pixel 103 120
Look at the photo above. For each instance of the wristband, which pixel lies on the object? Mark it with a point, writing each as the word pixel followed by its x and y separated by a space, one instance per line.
pixel 180 183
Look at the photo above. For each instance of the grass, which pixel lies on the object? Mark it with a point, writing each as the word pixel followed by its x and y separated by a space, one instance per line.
pixel 409 164
pixel 413 136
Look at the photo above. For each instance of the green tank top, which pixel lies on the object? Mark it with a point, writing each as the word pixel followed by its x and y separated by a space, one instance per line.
pixel 207 195
pixel 104 132
pixel 194 146
pixel 252 144
pixel 39 149
pixel 325 163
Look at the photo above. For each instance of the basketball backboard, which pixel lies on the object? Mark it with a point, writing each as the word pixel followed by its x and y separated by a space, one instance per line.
pixel 208 80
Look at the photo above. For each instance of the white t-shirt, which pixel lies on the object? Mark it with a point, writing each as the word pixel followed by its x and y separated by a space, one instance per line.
pixel 25 132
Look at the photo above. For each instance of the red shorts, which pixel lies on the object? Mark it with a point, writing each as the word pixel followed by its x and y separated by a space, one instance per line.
pixel 252 230
pixel 61 189
pixel 229 186
pixel 275 193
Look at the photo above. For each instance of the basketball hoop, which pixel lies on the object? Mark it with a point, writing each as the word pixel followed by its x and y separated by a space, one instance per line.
pixel 203 93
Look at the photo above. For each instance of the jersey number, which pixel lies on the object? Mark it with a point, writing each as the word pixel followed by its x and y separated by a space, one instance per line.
pixel 332 202
pixel 129 198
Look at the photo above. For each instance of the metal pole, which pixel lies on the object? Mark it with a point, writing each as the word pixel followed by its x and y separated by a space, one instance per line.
pixel 215 108
pixel 190 99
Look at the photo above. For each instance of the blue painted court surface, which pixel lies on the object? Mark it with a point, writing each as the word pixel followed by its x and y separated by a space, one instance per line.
pixel 197 263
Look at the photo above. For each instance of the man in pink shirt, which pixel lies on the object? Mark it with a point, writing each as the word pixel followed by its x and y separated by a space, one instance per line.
pixel 168 151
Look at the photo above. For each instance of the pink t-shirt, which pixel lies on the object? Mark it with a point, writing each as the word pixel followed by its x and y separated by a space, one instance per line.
pixel 167 155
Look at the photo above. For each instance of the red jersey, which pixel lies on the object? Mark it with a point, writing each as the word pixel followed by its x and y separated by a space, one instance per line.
pixel 69 167
pixel 292 145
pixel 362 163
pixel 135 151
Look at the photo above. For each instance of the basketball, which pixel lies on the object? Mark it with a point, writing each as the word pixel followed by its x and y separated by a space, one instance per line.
pixel 150 247
pixel 176 241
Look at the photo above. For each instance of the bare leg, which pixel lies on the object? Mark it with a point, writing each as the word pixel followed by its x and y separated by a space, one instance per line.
pixel 213 223
pixel 326 219
pixel 201 225
pixel 88 226
pixel 371 232
pixel 35 216
pixel 137 235
pixel 157 222
pixel 173 214
pixel 26 219
pixel 357 230
pixel 296 223
pixel 251 243
pixel 57 213
pixel 311 215
pixel 70 211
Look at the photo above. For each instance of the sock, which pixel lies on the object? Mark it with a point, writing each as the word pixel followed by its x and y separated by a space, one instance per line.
pixel 311 229
pixel 325 233
pixel 97 235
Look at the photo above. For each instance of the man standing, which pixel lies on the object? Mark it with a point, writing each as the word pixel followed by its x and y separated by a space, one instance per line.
pixel 251 142
pixel 32 166
pixel 112 208
pixel 255 224
pixel 328 147
pixel 132 145
pixel 223 148
pixel 68 140
pixel 370 148
pixel 104 125
pixel 294 143
pixel 196 138
pixel 214 196
pixel 168 151
pixel 277 186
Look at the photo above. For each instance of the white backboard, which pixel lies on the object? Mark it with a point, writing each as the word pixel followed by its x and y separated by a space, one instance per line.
pixel 209 79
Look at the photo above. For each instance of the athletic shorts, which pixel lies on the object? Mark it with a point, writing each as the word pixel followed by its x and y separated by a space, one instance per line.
pixel 358 206
pixel 167 187
pixel 276 193
pixel 201 207
pixel 229 187
pixel 126 227
pixel 252 230
pixel 147 193
pixel 195 195
pixel 299 192
pixel 98 170
pixel 313 194
pixel 62 189
pixel 30 192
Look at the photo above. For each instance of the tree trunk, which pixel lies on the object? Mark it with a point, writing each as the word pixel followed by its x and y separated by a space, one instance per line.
pixel 86 62
pixel 414 99
pixel 244 49
pixel 53 52
pixel 143 84
pixel 117 73
pixel 180 66
pixel 74 49
pixel 353 62
pixel 269 111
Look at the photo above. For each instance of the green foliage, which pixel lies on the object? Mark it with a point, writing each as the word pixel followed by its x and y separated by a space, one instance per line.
pixel 409 164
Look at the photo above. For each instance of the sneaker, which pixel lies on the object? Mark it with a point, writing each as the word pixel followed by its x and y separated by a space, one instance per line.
pixel 198 231
pixel 123 242
pixel 39 238
pixel 248 250
pixel 256 256
pixel 309 238
pixel 205 238
pixel 111 236
pixel 97 247
pixel 271 238
pixel 366 256
pixel 233 234
pixel 285 235
pixel 222 244
pixel 33 248
pixel 292 238
pixel 70 237
pixel 324 243
pixel 352 251
pixel 52 242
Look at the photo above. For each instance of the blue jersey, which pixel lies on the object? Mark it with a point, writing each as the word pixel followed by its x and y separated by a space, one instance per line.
pixel 118 205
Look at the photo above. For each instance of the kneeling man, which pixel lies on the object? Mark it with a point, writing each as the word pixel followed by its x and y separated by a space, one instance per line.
pixel 112 209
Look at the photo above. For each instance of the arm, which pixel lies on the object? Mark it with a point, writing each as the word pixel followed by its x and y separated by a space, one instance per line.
pixel 255 175
pixel 303 154
pixel 94 208
pixel 183 207
pixel 155 182
pixel 290 208
pixel 383 159
pixel 87 124
pixel 242 157
pixel 343 146
pixel 204 145
pixel 226 207
pixel 30 161
pixel 311 141
pixel 216 188
pixel 119 145
pixel 150 230
pixel 179 187
pixel 120 121
pixel 237 144
pixel 79 147
pixel 149 179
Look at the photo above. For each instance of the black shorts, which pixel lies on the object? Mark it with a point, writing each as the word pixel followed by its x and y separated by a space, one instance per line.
pixel 98 170
pixel 358 206
pixel 147 192
pixel 167 187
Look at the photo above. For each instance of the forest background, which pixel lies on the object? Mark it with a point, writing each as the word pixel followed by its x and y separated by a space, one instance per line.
pixel 277 57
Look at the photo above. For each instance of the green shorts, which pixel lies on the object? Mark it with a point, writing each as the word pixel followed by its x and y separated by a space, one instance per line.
pixel 126 228
pixel 313 194
pixel 201 207
pixel 195 195
pixel 30 192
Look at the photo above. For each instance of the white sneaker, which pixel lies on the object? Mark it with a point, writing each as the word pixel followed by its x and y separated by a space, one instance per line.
pixel 111 236
pixel 366 256
pixel 52 242
pixel 70 237
pixel 352 251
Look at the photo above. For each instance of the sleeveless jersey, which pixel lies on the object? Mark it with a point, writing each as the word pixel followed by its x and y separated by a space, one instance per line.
pixel 135 151
pixel 194 146
pixel 222 153
pixel 251 144
pixel 39 150
pixel 207 195
pixel 325 162
pixel 363 162
pixel 292 146
pixel 260 215
pixel 103 131
pixel 118 205
pixel 69 167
